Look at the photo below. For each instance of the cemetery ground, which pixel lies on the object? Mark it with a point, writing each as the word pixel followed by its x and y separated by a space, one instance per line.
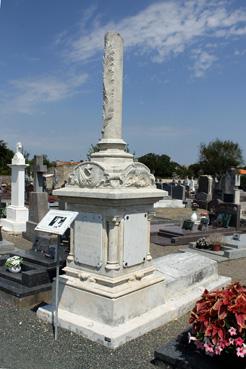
pixel 28 343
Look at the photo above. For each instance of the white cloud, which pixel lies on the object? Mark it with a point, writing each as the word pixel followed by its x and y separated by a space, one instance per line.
pixel 203 61
pixel 240 52
pixel 25 94
pixel 162 30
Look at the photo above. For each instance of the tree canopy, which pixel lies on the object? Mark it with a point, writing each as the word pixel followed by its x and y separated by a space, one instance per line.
pixel 6 156
pixel 159 165
pixel 218 156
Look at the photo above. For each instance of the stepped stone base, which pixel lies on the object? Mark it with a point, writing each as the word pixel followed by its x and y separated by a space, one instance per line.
pixel 15 223
pixel 186 275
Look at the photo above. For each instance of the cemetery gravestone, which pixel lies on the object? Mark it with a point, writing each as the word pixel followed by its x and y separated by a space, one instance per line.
pixel 178 192
pixel 17 213
pixel 38 200
pixel 205 184
pixel 167 187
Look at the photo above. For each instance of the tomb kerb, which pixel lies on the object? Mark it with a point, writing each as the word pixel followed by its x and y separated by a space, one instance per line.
pixel 110 280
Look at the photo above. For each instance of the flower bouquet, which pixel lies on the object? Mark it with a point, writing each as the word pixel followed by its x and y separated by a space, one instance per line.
pixel 202 243
pixel 13 264
pixel 219 322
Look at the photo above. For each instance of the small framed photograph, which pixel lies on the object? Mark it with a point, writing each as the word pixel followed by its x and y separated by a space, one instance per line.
pixel 56 221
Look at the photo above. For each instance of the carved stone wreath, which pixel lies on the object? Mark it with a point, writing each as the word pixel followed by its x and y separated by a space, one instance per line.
pixel 137 175
pixel 92 175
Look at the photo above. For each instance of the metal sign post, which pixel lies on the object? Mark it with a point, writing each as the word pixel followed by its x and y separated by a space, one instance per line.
pixel 57 286
pixel 56 222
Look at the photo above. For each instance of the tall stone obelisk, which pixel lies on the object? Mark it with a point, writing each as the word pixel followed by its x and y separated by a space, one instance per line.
pixel 111 145
pixel 17 213
pixel 110 277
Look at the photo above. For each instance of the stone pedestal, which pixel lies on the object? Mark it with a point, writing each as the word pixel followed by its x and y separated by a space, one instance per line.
pixel 17 213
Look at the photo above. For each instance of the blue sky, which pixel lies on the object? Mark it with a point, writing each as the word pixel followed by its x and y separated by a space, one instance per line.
pixel 184 74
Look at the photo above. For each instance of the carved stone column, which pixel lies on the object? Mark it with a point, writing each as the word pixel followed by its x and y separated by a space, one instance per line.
pixel 111 142
pixel 113 244
pixel 151 215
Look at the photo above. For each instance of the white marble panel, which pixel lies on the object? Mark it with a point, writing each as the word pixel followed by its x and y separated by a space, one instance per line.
pixel 136 239
pixel 88 239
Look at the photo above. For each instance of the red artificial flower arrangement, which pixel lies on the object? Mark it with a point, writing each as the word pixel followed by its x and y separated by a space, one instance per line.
pixel 219 321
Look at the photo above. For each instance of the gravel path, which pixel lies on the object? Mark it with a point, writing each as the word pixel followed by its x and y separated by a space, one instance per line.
pixel 27 343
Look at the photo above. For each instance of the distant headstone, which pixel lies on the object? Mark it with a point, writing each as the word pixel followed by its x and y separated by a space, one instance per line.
pixel 192 185
pixel 167 187
pixel 226 215
pixel 39 170
pixel 205 184
pixel 178 192
pixel 229 185
pixel 38 200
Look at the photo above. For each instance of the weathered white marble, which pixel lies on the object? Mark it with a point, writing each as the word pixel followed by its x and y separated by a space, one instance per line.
pixel 17 213
pixel 183 276
pixel 111 144
pixel 112 291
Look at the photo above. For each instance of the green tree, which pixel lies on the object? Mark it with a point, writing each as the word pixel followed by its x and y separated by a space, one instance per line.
pixel 160 165
pixel 195 170
pixel 6 156
pixel 218 156
pixel 30 162
pixel 91 150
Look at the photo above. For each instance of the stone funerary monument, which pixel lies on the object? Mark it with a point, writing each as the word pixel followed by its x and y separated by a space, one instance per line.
pixel 112 291
pixel 17 213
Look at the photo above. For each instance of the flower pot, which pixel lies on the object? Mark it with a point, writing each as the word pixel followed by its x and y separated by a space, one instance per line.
pixel 216 246
pixel 15 269
pixel 194 217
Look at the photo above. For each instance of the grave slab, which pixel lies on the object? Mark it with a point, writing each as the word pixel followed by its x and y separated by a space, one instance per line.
pixel 180 354
pixel 231 249
pixel 33 284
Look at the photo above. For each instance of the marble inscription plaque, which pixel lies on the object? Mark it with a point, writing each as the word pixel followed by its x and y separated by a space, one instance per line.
pixel 136 239
pixel 88 239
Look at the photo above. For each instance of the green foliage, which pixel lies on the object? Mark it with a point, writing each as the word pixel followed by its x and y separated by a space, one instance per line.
pixel 218 156
pixel 91 150
pixel 6 156
pixel 30 162
pixel 160 165
pixel 194 170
